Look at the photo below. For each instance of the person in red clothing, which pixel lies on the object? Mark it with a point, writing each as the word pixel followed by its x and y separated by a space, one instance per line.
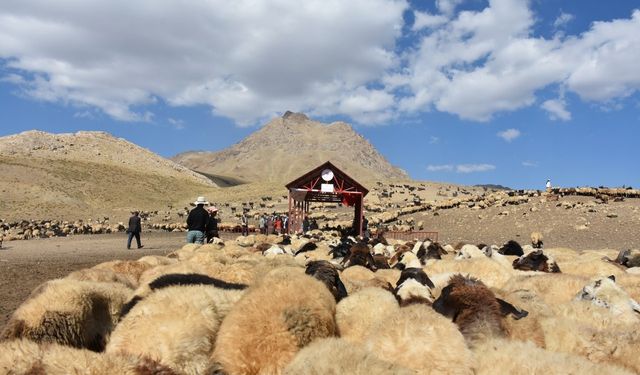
pixel 278 225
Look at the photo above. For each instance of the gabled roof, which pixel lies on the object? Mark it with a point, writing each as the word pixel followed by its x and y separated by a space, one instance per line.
pixel 342 181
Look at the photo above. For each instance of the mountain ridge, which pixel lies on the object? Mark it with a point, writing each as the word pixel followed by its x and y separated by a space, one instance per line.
pixel 291 145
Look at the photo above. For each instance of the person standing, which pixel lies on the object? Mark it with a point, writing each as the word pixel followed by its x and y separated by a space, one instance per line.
pixel 135 227
pixel 262 223
pixel 197 222
pixel 305 225
pixel 212 224
pixel 548 185
pixel 244 222
pixel 278 225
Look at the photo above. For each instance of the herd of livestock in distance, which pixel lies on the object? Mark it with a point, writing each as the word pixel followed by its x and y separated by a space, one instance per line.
pixel 323 303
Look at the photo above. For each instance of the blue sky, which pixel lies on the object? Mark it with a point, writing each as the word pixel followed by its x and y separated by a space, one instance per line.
pixel 508 92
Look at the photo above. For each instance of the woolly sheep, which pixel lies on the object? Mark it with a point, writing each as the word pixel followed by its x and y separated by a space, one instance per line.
pixel 536 261
pixel 69 312
pixel 359 312
pixel 131 269
pixel 176 326
pixel 100 275
pixel 328 274
pixel 420 339
pixel 337 356
pixel 292 309
pixel 28 357
pixel 515 357
pixel 536 240
pixel 475 309
pixel 551 288
pixel 414 286
pixel 604 292
pixel 489 271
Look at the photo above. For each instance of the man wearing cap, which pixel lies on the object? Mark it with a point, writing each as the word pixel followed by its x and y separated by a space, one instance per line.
pixel 134 229
pixel 197 222
pixel 212 224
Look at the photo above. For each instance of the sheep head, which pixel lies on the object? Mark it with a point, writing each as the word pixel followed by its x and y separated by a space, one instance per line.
pixel 328 274
pixel 536 261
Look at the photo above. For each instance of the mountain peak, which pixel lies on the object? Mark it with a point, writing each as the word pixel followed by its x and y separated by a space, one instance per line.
pixel 291 145
pixel 294 117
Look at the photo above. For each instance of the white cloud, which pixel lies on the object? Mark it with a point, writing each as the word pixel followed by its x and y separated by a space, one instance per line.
pixel 440 168
pixel 433 140
pixel 427 20
pixel 251 60
pixel 176 123
pixel 447 6
pixel 530 164
pixel 509 134
pixel 557 109
pixel 563 19
pixel 246 60
pixel 471 168
pixel 461 168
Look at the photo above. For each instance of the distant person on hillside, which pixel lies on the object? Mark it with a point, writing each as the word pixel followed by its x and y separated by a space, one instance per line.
pixel 135 227
pixel 548 185
pixel 244 222
pixel 197 222
pixel 212 224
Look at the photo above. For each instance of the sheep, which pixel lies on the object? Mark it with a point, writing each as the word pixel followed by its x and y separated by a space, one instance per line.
pixel 292 309
pixel 551 288
pixel 489 271
pixel 69 312
pixel 357 277
pixel 359 255
pixel 414 286
pixel 604 292
pixel 511 247
pixel 420 339
pixel 514 357
pixel 468 252
pixel 100 275
pixel 475 309
pixel 407 259
pixel 357 314
pixel 627 258
pixel 337 356
pixel 177 279
pixel 176 326
pixel 536 261
pixel 131 269
pixel 28 357
pixel 328 274
pixel 536 240
pixel 157 260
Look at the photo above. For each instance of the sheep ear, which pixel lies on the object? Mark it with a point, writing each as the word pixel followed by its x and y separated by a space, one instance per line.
pixel 612 277
pixel 506 308
pixel 635 306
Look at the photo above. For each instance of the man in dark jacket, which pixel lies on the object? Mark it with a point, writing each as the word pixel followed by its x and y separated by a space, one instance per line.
pixel 197 222
pixel 135 227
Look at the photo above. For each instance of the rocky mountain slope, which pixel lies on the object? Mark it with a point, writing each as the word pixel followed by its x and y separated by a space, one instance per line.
pixel 291 145
pixel 47 175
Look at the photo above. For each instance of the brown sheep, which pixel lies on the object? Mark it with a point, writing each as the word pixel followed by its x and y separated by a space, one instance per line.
pixel 536 261
pixel 359 255
pixel 474 308
pixel 328 274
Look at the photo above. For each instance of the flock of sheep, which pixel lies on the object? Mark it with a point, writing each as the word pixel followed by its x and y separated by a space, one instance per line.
pixel 326 304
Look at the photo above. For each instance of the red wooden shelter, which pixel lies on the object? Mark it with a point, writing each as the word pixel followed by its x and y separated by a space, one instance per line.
pixel 326 183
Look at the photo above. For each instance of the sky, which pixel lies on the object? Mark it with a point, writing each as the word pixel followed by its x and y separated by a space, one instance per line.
pixel 508 92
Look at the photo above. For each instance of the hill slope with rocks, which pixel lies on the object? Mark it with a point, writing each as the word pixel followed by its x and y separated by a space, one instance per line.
pixel 65 175
pixel 290 146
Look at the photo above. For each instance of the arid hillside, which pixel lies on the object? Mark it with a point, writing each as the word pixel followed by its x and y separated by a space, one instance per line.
pixel 84 174
pixel 291 145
